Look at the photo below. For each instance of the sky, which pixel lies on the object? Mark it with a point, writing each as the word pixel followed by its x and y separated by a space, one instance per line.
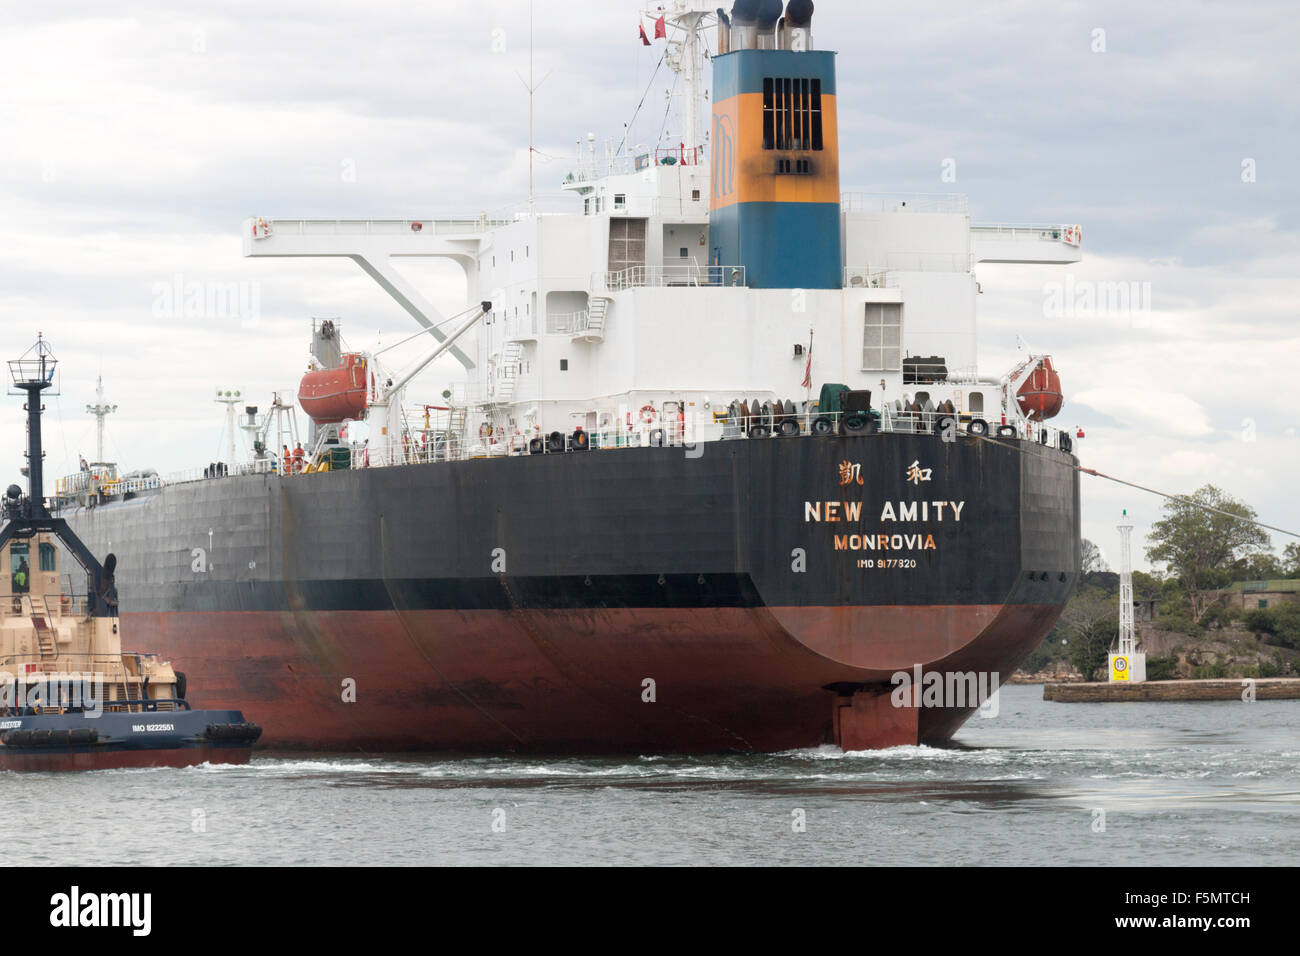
pixel 135 138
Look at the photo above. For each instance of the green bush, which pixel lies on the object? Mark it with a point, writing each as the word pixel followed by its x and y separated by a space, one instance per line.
pixel 1219 615
pixel 1178 620
pixel 1274 668
pixel 1043 657
pixel 1287 618
pixel 1260 621
pixel 1088 651
pixel 1210 671
pixel 1162 668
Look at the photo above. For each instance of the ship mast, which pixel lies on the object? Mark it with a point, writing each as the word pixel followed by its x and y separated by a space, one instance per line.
pixel 688 18
pixel 100 411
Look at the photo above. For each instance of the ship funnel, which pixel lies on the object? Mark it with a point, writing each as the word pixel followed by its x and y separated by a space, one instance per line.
pixel 744 24
pixel 768 13
pixel 724 32
pixel 774 209
pixel 798 26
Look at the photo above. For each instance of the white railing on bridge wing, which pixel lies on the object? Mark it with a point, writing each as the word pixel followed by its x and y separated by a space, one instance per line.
pixel 904 202
pixel 1015 231
pixel 689 275
pixel 267 228
pixel 592 170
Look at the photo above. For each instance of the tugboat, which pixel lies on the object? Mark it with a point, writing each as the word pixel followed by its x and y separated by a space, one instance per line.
pixel 70 697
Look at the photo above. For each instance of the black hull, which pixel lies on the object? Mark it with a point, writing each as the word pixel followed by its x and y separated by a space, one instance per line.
pixel 588 568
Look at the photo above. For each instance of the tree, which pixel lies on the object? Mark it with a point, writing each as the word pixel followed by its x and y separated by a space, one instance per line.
pixel 1291 560
pixel 1263 566
pixel 1089 622
pixel 1199 546
pixel 1090 558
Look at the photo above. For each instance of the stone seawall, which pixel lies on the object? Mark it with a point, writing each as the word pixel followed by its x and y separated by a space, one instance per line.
pixel 1265 688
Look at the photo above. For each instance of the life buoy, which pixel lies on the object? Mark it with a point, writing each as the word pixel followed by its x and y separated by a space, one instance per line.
pixel 649 415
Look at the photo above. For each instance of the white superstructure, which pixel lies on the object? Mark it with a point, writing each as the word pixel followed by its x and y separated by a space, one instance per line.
pixel 614 308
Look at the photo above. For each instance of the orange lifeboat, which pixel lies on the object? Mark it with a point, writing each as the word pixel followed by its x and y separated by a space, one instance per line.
pixel 332 395
pixel 1040 395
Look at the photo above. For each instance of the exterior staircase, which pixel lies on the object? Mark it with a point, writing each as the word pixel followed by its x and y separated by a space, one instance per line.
pixel 45 640
pixel 510 361
pixel 597 309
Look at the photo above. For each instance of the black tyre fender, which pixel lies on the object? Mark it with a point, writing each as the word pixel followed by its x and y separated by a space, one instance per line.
pixel 823 426
pixel 856 424
pixel 978 426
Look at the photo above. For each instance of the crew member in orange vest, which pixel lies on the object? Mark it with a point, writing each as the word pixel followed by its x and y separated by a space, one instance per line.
pixel 288 460
pixel 299 456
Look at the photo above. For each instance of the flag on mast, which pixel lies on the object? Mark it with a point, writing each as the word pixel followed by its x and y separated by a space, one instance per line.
pixel 661 28
pixel 807 372
pixel 645 40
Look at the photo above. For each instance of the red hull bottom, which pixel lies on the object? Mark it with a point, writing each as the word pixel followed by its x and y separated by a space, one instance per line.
pixel 588 681
pixel 45 760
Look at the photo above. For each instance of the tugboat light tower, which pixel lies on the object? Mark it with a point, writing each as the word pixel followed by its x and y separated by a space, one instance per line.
pixel 34 375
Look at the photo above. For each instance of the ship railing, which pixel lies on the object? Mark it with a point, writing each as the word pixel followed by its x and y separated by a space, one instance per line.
pixel 379 227
pixel 590 170
pixel 107 671
pixel 567 322
pixel 686 275
pixel 67 605
pixel 1014 231
pixel 866 278
pixel 442 443
pixel 905 202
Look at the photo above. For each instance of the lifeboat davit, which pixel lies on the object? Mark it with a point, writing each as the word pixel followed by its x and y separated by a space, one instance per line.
pixel 1040 394
pixel 332 395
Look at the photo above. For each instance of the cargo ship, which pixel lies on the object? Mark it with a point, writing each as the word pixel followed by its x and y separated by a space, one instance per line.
pixel 719 468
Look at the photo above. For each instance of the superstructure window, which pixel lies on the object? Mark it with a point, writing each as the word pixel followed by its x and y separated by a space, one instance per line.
pixel 792 113
pixel 47 557
pixel 882 337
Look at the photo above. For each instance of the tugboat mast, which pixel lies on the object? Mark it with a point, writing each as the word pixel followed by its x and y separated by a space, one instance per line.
pixel 34 374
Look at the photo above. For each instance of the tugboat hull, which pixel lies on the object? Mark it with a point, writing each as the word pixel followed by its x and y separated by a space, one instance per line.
pixel 183 738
